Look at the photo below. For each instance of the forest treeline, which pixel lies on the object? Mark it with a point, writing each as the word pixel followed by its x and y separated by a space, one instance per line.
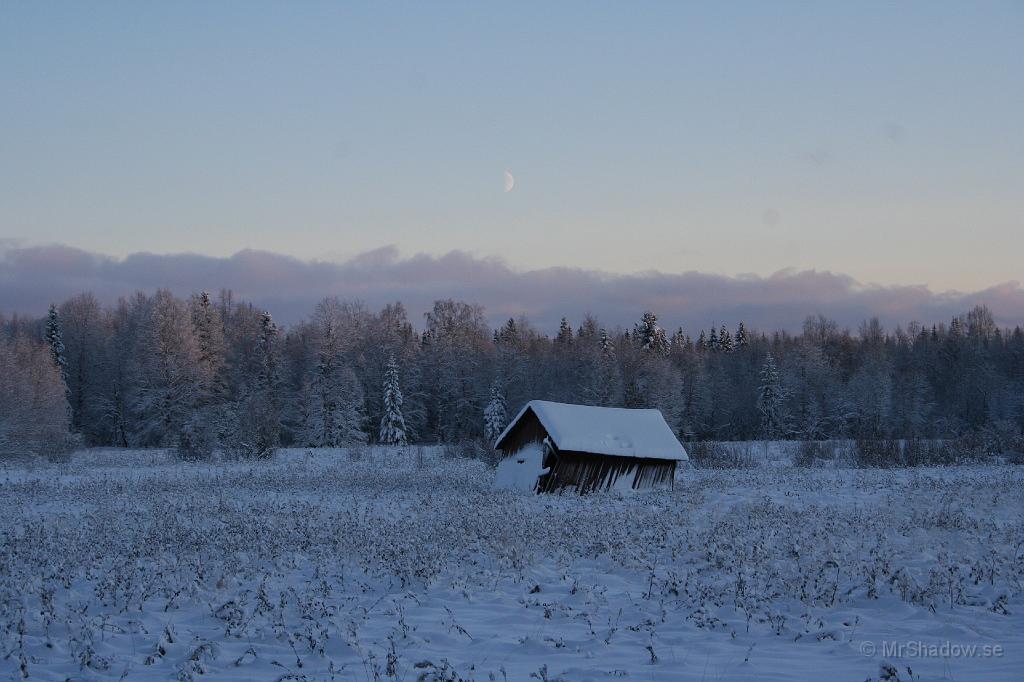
pixel 212 372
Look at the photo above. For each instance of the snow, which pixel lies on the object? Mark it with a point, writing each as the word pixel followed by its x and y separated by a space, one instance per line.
pixel 401 564
pixel 521 471
pixel 605 430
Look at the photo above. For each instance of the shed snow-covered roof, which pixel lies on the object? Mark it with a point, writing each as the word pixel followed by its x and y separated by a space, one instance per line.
pixel 604 430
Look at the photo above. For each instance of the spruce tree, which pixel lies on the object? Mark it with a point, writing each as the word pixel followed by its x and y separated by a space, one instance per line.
pixel 268 351
pixel 564 333
pixel 955 329
pixel 609 377
pixel 496 412
pixel 713 339
pixel 649 335
pixel 725 340
pixel 508 334
pixel 678 340
pixel 588 330
pixel 55 339
pixel 208 327
pixel 392 423
pixel 771 402
pixel 259 414
pixel 741 337
pixel 335 408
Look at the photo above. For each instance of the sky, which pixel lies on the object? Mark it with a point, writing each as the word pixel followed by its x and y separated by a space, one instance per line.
pixel 877 142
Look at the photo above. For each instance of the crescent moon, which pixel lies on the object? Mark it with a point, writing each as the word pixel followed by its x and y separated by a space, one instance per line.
pixel 510 182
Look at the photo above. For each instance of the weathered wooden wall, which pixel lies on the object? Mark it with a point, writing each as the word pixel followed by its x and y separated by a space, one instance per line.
pixel 588 472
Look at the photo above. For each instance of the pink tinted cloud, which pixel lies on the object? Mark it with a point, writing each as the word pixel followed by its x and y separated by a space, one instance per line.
pixel 33 277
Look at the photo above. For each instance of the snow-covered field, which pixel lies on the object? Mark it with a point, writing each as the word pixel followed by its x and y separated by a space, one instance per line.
pixel 404 566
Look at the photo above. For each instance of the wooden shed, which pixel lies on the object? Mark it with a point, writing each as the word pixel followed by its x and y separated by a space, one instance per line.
pixel 588 448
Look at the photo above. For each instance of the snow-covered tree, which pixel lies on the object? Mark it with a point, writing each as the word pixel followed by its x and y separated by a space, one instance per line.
pixel 335 415
pixel 454 367
pixel 564 333
pixel 649 335
pixel 55 339
pixel 678 342
pixel 208 327
pixel 609 374
pixel 392 422
pixel 255 423
pixel 508 333
pixel 164 383
pixel 387 334
pixel 815 399
pixel 34 413
pixel 496 412
pixel 713 339
pixel 83 328
pixel 742 340
pixel 588 329
pixel 210 417
pixel 771 400
pixel 870 390
pixel 267 394
pixel 725 340
pixel 156 370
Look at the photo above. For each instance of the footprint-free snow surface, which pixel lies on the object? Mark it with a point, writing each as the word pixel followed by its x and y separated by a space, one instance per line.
pixel 403 565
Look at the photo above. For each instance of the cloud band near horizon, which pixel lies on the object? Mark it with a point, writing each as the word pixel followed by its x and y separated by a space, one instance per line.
pixel 33 277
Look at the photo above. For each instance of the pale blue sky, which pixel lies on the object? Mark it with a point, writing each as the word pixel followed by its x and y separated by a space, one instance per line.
pixel 880 140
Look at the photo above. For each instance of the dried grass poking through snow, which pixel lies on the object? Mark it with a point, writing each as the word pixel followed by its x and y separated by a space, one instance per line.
pixel 322 567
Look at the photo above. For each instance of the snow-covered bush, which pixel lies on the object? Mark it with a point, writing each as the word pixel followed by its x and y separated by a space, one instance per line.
pixel 250 431
pixel 1001 437
pixel 719 455
pixel 811 452
pixel 878 453
pixel 198 437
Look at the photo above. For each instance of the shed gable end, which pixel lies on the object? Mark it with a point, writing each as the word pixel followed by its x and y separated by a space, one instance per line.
pixel 526 429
